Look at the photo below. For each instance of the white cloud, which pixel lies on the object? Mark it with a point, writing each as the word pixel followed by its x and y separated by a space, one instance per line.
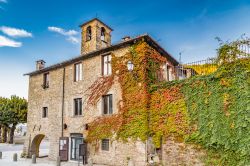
pixel 14 32
pixel 70 34
pixel 63 31
pixel 6 42
pixel 73 39
pixel 4 1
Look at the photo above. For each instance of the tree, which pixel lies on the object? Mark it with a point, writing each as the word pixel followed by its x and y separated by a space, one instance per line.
pixel 12 112
pixel 3 125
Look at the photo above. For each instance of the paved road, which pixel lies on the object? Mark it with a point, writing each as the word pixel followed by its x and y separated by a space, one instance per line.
pixel 7 147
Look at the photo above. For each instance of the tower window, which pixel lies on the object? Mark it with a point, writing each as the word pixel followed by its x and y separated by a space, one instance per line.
pixel 88 33
pixel 103 31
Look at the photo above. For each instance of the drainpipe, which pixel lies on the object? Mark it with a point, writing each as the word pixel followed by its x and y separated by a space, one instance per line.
pixel 63 89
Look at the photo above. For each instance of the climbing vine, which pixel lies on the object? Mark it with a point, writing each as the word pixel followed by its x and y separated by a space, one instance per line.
pixel 210 110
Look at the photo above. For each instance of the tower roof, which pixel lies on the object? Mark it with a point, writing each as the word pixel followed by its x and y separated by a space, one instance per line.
pixel 96 19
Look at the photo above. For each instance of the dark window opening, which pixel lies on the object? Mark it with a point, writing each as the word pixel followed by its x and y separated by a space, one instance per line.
pixel 45 112
pixel 78 106
pixel 88 33
pixel 107 104
pixel 103 31
pixel 46 80
pixel 105 144
pixel 159 75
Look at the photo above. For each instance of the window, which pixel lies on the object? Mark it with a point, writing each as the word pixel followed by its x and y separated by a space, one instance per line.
pixel 88 33
pixel 46 80
pixel 78 72
pixel 107 104
pixel 159 74
pixel 78 106
pixel 45 112
pixel 105 144
pixel 103 31
pixel 106 65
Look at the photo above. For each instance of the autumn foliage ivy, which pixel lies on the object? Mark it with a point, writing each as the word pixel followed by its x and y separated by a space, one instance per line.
pixel 211 110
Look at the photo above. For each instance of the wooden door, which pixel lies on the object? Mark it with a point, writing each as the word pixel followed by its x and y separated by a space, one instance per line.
pixel 64 148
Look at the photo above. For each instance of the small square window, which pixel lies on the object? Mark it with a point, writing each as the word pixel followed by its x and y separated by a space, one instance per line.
pixel 77 106
pixel 105 144
pixel 45 112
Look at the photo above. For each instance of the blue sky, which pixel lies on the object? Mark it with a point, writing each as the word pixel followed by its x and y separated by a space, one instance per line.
pixel 49 30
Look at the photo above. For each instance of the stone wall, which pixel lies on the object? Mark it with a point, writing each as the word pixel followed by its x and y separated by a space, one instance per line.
pixel 51 97
pixel 39 98
pixel 176 153
pixel 95 43
pixel 120 153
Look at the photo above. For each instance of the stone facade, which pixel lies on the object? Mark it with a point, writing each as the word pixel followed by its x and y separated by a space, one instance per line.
pixel 97 42
pixel 59 99
pixel 51 126
pixel 176 153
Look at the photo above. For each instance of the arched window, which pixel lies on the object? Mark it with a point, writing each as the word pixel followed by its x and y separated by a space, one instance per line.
pixel 88 33
pixel 103 31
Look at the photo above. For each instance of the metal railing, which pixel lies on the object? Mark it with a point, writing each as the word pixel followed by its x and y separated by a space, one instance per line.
pixel 210 65
pixel 202 67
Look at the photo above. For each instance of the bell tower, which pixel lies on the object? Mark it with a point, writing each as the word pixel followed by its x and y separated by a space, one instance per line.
pixel 95 36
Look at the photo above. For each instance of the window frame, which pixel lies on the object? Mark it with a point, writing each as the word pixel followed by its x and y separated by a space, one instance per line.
pixel 105 146
pixel 108 66
pixel 46 80
pixel 78 72
pixel 88 33
pixel 78 109
pixel 109 105
pixel 45 111
pixel 103 34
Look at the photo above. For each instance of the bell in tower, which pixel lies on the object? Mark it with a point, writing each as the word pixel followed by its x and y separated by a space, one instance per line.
pixel 95 36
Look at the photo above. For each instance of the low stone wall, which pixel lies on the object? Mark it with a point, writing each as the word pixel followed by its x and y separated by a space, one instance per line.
pixel 176 153
pixel 120 153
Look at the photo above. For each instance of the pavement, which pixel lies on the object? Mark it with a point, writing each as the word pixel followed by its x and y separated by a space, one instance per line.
pixel 8 151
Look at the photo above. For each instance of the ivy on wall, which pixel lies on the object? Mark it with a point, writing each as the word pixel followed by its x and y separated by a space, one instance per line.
pixel 212 110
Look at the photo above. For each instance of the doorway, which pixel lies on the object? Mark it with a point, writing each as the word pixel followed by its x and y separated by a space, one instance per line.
pixel 75 141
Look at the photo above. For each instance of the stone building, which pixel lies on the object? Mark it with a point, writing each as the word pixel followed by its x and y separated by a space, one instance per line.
pixel 57 96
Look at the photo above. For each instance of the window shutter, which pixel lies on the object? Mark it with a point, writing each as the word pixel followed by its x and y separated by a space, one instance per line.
pixel 80 108
pixel 109 65
pixel 110 104
pixel 105 105
pixel 75 103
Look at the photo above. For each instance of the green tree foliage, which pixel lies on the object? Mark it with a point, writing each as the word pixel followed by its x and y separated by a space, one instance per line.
pixel 12 112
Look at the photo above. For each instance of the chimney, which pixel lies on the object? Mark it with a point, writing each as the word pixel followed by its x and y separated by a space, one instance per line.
pixel 40 64
pixel 126 38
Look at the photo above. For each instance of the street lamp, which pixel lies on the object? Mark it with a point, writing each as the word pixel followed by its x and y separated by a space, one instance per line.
pixel 130 66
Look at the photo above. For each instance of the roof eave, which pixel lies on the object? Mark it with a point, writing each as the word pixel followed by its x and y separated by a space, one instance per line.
pixel 104 50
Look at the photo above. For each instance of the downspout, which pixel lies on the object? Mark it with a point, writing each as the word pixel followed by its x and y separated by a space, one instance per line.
pixel 63 89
